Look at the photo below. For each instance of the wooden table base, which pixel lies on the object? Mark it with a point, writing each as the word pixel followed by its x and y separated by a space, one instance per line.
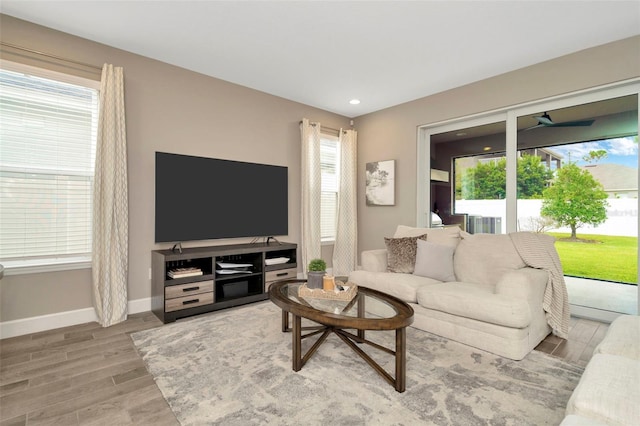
pixel 299 360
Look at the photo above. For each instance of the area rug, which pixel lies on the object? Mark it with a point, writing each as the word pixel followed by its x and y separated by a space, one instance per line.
pixel 234 368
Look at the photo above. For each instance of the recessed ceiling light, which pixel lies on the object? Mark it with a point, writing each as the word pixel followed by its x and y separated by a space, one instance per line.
pixel 461 134
pixel 354 101
pixel 486 148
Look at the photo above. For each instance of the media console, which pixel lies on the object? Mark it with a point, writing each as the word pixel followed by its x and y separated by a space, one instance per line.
pixel 205 279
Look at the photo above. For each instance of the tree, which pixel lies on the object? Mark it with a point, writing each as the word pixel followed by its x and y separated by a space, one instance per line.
pixel 533 177
pixel 575 199
pixel 595 156
pixel 487 181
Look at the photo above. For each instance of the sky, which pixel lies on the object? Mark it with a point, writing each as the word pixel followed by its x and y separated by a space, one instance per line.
pixel 619 151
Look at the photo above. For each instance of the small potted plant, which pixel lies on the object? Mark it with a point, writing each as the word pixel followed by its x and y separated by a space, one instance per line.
pixel 315 271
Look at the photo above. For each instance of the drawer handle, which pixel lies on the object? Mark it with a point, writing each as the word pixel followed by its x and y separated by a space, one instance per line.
pixel 282 274
pixel 190 289
pixel 189 302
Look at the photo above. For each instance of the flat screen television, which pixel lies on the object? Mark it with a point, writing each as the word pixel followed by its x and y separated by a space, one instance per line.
pixel 201 198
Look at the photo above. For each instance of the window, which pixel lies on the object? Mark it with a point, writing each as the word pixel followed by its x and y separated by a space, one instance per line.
pixel 329 161
pixel 48 128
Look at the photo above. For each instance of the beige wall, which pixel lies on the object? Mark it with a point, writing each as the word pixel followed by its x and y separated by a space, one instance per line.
pixel 175 110
pixel 167 109
pixel 392 133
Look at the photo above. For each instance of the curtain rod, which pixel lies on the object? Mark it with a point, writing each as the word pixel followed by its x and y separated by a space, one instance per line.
pixel 48 55
pixel 324 127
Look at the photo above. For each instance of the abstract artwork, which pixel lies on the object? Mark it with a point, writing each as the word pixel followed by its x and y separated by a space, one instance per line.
pixel 380 183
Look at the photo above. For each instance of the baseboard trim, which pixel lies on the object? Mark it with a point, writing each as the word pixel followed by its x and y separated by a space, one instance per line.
pixel 62 319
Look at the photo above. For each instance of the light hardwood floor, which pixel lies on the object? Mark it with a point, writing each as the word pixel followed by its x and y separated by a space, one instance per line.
pixel 89 375
pixel 584 336
pixel 80 375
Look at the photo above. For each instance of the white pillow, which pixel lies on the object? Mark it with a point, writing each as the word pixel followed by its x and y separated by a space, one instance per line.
pixel 434 261
pixel 484 258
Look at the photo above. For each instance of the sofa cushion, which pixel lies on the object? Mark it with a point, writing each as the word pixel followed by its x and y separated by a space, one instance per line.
pixel 374 260
pixel 446 236
pixel 401 253
pixel 484 258
pixel 402 286
pixel 475 301
pixel 434 261
pixel 608 391
pixel 622 338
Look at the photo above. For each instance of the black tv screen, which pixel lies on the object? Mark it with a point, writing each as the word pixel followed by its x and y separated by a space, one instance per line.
pixel 201 198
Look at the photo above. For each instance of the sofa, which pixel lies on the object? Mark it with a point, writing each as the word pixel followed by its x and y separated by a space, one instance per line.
pixel 472 288
pixel 609 390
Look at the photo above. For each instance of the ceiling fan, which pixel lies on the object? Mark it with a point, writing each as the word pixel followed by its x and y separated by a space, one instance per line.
pixel 544 120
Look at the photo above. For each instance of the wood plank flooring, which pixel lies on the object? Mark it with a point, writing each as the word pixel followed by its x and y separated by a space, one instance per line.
pixel 80 375
pixel 584 336
pixel 89 375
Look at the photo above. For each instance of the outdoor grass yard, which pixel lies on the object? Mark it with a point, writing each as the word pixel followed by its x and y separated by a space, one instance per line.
pixel 611 258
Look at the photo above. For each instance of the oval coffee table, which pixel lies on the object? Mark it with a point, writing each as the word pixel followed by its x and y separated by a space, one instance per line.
pixel 368 310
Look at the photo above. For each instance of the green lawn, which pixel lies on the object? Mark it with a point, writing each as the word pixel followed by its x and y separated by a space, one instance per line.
pixel 611 258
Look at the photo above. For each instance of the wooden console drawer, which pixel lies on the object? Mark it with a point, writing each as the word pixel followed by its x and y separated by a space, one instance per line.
pixel 281 274
pixel 192 301
pixel 173 291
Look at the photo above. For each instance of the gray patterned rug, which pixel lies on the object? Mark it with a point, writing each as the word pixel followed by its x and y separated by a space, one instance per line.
pixel 234 368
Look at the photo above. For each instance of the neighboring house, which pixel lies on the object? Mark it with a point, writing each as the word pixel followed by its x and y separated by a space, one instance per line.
pixel 619 181
pixel 549 157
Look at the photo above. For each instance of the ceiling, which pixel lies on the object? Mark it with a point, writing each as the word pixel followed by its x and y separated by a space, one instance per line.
pixel 325 53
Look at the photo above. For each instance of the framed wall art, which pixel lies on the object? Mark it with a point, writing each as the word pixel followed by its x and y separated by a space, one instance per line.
pixel 380 183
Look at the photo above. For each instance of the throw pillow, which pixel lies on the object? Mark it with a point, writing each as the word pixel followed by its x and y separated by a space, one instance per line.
pixel 401 253
pixel 434 261
pixel 484 258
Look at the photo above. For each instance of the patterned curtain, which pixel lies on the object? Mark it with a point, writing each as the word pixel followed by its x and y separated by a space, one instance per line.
pixel 110 203
pixel 345 250
pixel 310 247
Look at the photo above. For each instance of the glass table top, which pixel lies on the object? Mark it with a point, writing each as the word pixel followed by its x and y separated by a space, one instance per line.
pixel 375 306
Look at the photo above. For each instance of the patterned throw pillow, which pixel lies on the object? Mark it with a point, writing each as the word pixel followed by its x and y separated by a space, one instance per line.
pixel 401 253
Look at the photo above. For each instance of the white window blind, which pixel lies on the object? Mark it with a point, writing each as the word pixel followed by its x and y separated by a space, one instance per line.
pixel 47 148
pixel 329 160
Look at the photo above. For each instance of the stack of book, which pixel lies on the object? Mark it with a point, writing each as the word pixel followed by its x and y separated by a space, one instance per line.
pixel 184 272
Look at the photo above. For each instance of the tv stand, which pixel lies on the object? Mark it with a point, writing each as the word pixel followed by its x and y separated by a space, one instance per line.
pixel 192 281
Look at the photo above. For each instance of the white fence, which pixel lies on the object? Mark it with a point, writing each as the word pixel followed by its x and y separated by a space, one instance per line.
pixel 622 215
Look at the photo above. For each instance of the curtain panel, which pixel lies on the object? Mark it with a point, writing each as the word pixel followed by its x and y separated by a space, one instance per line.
pixel 110 249
pixel 345 249
pixel 311 192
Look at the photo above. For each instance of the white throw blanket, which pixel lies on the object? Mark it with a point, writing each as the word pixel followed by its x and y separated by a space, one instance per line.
pixel 538 251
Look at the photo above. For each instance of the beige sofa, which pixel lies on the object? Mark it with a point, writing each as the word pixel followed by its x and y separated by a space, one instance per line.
pixel 474 289
pixel 609 390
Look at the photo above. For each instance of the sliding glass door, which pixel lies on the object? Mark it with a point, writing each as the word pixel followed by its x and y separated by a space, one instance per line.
pixel 590 202
pixel 568 167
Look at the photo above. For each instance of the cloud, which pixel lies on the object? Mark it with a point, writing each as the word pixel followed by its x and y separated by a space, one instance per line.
pixel 622 146
pixel 575 152
pixel 618 146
